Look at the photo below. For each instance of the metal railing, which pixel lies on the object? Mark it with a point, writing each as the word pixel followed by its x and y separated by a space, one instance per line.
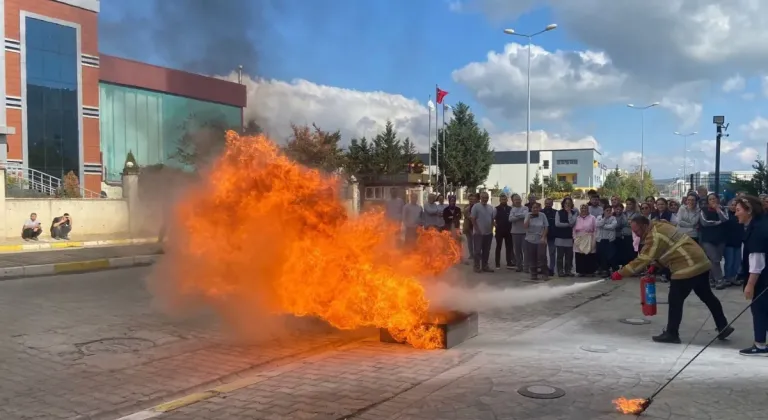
pixel 31 179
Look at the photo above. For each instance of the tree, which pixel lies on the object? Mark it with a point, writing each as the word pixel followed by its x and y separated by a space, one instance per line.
pixel 358 158
pixel 755 186
pixel 536 185
pixel 202 140
pixel 628 185
pixel 388 155
pixel 468 154
pixel 70 187
pixel 315 148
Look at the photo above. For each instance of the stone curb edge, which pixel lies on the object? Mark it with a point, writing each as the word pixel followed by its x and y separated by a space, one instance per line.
pixel 8 273
pixel 74 244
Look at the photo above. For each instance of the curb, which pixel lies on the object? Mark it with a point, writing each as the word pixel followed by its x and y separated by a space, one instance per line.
pixel 9 273
pixel 74 244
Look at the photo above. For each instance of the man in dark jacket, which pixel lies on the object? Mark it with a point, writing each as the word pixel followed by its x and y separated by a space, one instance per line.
pixel 503 232
pixel 551 249
pixel 452 216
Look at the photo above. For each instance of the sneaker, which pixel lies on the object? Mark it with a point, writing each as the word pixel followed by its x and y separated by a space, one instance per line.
pixel 25 239
pixel 478 270
pixel 487 270
pixel 35 239
pixel 570 274
pixel 722 284
pixel 666 337
pixel 725 333
pixel 562 274
pixel 498 266
pixel 737 282
pixel 754 351
pixel 510 266
pixel 551 273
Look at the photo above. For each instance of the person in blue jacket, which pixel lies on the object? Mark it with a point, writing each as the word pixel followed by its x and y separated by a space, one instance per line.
pixel 754 273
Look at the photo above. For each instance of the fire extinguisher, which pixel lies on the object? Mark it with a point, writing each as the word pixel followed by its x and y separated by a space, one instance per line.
pixel 648 293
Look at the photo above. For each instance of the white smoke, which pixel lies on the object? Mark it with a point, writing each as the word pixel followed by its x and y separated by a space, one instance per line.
pixel 484 298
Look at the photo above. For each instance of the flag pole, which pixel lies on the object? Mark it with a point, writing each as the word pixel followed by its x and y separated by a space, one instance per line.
pixel 444 155
pixel 437 139
pixel 429 150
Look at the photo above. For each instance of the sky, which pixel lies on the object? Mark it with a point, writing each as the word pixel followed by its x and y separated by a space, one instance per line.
pixel 352 65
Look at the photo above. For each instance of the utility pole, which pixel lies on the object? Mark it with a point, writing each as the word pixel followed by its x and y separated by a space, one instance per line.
pixel 722 127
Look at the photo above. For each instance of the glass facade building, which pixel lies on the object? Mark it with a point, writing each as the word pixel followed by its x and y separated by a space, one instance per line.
pixel 150 124
pixel 53 118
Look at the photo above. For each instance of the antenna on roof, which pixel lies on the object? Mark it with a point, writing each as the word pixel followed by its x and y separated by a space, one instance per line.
pixel 240 74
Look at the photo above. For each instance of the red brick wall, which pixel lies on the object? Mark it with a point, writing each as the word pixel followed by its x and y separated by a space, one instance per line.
pixel 88 22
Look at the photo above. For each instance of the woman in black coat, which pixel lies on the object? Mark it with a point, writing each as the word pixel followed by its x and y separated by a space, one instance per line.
pixel 754 272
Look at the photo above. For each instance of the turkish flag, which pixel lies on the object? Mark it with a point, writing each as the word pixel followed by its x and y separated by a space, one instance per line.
pixel 440 94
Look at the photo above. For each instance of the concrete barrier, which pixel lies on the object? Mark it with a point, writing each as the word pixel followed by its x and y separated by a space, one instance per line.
pixel 9 273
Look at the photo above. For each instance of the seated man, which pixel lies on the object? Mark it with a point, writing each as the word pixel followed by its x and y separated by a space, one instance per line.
pixel 61 227
pixel 31 229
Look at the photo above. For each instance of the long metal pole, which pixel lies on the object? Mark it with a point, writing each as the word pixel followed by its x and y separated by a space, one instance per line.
pixel 642 154
pixel 429 119
pixel 437 140
pixel 528 126
pixel 444 155
pixel 685 164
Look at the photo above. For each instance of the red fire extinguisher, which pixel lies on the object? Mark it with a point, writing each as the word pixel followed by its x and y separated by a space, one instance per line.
pixel 648 293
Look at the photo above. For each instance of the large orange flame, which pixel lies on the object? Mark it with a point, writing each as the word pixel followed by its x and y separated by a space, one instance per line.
pixel 631 406
pixel 265 230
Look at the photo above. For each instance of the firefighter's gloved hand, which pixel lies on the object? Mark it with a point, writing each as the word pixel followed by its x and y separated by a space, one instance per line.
pixel 616 276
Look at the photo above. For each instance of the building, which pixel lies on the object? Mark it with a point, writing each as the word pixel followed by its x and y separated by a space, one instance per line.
pixel 726 177
pixel 69 108
pixel 583 168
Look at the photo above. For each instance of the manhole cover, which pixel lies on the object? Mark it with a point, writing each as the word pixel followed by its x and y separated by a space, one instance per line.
pixel 115 345
pixel 634 321
pixel 598 349
pixel 541 392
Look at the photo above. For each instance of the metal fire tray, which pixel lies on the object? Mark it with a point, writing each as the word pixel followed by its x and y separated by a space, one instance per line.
pixel 457 328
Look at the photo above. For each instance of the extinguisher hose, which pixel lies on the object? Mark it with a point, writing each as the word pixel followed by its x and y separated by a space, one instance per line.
pixel 661 388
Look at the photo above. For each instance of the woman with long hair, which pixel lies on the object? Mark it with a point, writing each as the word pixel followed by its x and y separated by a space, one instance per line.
pixel 749 212
pixel 584 242
pixel 688 217
pixel 662 212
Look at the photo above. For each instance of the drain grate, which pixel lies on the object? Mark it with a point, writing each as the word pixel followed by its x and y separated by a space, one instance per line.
pixel 115 345
pixel 541 392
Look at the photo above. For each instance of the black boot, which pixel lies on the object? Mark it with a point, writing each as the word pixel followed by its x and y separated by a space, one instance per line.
pixel 725 332
pixel 666 337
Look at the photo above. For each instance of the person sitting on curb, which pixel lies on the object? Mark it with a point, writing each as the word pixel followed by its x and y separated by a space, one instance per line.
pixel 31 229
pixel 61 227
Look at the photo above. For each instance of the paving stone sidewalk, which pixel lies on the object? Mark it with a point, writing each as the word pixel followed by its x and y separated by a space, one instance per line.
pixel 20 259
pixel 536 345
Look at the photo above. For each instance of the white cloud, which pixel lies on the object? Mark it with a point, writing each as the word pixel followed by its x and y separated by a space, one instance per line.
pixel 455 6
pixel 756 130
pixel 734 84
pixel 560 81
pixel 748 155
pixel 708 146
pixel 688 112
pixel 276 104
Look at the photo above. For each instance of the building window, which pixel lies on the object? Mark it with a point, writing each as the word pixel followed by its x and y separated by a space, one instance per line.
pixel 546 164
pixel 546 179
pixel 567 162
pixel 150 124
pixel 53 132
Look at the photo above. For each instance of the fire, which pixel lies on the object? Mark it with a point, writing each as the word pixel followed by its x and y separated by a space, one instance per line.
pixel 268 232
pixel 633 406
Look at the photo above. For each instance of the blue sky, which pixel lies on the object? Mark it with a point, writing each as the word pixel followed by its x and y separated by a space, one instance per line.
pixel 351 65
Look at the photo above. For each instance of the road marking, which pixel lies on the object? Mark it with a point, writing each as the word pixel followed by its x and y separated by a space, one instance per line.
pixel 81 266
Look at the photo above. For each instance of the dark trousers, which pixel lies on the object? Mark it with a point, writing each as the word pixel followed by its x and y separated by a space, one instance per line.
pixel 504 238
pixel 679 291
pixel 482 249
pixel 29 233
pixel 606 254
pixel 61 231
pixel 586 263
pixel 565 259
pixel 536 254
pixel 760 313
pixel 411 235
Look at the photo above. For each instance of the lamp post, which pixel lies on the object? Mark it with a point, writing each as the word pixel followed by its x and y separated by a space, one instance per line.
pixel 642 141
pixel 548 28
pixel 685 147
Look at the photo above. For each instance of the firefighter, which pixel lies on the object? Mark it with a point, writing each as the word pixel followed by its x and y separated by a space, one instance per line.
pixel 666 247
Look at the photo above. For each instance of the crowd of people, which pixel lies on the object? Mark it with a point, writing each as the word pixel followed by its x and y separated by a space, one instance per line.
pixel 697 245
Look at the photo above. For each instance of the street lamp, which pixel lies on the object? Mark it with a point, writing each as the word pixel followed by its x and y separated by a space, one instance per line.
pixel 685 147
pixel 548 28
pixel 642 141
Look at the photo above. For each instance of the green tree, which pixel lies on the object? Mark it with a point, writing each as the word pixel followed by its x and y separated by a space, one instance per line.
pixel 757 185
pixel 468 153
pixel 613 184
pixel 536 185
pixel 315 148
pixel 564 186
pixel 388 155
pixel 410 155
pixel 359 158
pixel 628 185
